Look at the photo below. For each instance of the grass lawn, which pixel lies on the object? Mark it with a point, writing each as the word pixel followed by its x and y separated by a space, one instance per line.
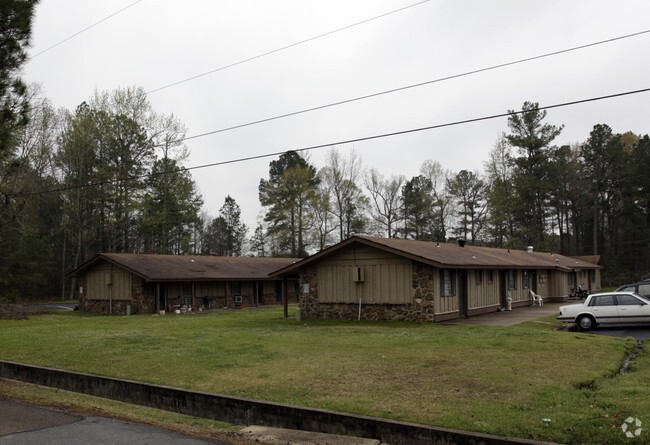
pixel 502 381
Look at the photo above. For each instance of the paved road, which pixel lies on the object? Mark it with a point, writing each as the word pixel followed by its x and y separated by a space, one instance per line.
pixel 53 306
pixel 22 424
pixel 530 313
pixel 640 332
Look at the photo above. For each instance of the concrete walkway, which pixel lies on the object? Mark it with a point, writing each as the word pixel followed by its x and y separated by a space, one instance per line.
pixel 276 436
pixel 509 318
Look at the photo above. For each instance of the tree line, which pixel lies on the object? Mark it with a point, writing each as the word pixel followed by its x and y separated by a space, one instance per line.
pixel 590 198
pixel 109 177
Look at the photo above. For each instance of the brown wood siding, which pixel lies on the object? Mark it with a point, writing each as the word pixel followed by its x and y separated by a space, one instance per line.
pixel 444 304
pixel 583 279
pixel 107 282
pixel 247 288
pixel 520 294
pixel 268 288
pixel 382 283
pixel 543 283
pixel 175 290
pixel 596 286
pixel 484 294
pixel 210 289
pixel 384 278
pixel 558 284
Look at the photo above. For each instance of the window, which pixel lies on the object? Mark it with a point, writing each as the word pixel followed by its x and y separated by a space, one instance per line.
pixel 512 279
pixel 570 279
pixel 235 288
pixel 628 300
pixel 592 276
pixel 447 282
pixel 490 276
pixel 479 277
pixel 602 300
pixel 524 279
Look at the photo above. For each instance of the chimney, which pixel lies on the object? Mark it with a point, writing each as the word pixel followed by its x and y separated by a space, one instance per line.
pixel 461 242
pixel 530 249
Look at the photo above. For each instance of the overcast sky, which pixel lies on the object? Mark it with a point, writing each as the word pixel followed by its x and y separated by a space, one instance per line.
pixel 158 42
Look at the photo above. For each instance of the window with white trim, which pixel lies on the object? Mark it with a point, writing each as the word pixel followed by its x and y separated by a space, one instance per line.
pixel 524 279
pixel 512 279
pixel 447 282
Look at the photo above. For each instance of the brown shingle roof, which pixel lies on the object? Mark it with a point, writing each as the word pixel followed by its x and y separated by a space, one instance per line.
pixel 191 268
pixel 594 259
pixel 446 255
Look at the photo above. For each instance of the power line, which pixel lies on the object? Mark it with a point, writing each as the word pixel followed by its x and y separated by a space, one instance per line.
pixel 416 130
pixel 331 144
pixel 284 47
pixel 416 85
pixel 85 29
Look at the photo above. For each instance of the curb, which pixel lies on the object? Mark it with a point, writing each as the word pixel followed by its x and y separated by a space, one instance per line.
pixel 241 411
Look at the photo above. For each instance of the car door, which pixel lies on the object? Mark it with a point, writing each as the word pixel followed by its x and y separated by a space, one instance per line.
pixel 603 308
pixel 632 309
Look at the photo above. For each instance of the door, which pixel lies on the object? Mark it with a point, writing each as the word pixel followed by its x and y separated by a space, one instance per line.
pixel 632 309
pixel 162 305
pixel 462 295
pixel 603 307
pixel 533 280
pixel 503 288
pixel 278 291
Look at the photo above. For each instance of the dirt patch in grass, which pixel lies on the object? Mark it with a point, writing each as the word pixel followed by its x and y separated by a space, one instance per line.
pixel 15 312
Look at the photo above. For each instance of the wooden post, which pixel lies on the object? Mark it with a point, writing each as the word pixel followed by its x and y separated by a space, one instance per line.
pixel 285 302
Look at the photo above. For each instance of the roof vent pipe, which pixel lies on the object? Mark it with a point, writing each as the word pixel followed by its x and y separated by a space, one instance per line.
pixel 530 249
pixel 461 242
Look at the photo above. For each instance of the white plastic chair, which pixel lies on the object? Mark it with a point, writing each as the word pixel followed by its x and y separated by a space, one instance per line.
pixel 536 298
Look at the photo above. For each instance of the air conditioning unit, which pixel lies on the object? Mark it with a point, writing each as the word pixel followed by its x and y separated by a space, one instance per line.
pixel 359 274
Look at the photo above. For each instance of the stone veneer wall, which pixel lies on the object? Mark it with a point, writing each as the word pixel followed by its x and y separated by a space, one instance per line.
pixel 420 309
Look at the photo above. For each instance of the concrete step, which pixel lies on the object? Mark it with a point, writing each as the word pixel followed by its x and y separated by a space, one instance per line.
pixel 269 435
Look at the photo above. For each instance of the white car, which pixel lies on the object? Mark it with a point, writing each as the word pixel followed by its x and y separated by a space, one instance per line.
pixel 606 308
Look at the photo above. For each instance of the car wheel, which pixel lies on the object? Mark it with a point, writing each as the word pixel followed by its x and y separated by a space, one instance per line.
pixel 586 323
